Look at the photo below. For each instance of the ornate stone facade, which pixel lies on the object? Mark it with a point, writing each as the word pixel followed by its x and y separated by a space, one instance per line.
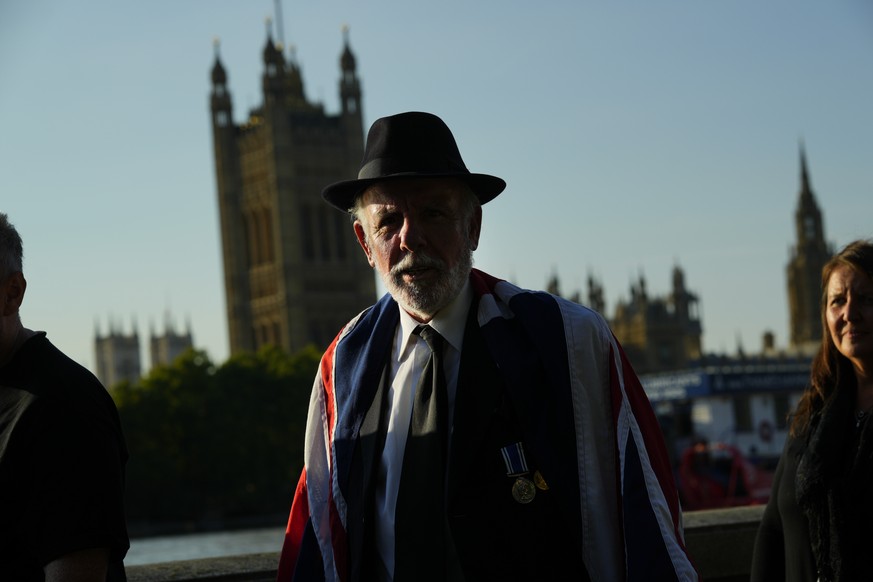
pixel 293 271
pixel 659 333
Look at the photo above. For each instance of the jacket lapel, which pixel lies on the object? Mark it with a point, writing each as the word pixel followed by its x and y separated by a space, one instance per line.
pixel 478 397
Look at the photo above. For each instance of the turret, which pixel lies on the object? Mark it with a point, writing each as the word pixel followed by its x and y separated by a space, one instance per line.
pixel 274 69
pixel 808 220
pixel 294 78
pixel 349 87
pixel 220 98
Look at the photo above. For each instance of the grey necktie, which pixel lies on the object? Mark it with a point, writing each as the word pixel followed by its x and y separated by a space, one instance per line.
pixel 420 521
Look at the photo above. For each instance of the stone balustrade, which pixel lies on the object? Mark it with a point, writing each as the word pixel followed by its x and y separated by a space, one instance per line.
pixel 720 543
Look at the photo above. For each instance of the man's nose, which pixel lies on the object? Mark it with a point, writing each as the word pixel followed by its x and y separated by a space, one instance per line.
pixel 411 235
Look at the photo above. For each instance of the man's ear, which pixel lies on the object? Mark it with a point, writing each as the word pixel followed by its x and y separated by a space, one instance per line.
pixel 15 286
pixel 362 240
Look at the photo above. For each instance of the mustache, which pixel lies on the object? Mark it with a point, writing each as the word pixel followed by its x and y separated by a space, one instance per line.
pixel 411 263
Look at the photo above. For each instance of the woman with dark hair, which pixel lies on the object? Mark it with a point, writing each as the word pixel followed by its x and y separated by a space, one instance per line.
pixel 818 524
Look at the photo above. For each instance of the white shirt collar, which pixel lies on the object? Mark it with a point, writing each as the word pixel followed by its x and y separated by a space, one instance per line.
pixel 450 321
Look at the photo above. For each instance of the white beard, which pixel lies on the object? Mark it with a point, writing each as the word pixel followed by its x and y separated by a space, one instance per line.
pixel 425 300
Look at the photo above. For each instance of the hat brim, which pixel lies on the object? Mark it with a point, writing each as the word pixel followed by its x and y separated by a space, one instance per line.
pixel 342 195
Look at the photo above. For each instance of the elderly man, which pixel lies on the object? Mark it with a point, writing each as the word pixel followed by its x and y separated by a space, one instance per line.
pixel 62 452
pixel 465 429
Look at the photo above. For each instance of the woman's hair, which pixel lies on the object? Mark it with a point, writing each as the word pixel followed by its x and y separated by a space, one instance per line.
pixel 831 370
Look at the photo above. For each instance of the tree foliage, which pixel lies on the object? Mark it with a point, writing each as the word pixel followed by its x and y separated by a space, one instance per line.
pixel 208 444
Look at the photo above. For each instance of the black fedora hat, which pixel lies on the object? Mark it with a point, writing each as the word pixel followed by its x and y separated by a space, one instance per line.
pixel 410 145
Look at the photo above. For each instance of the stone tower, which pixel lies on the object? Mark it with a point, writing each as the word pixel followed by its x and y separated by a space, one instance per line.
pixel 808 256
pixel 165 348
pixel 293 270
pixel 117 355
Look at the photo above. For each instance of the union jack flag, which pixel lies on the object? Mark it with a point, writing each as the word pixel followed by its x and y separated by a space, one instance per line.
pixel 616 469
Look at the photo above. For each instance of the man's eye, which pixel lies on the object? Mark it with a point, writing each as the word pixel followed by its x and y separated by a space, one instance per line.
pixel 387 222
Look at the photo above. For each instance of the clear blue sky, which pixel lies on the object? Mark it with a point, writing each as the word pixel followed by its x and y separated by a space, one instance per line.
pixel 633 136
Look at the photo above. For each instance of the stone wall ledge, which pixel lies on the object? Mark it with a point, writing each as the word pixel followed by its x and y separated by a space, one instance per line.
pixel 720 542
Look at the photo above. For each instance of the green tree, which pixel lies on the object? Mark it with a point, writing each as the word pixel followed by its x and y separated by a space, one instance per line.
pixel 210 444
